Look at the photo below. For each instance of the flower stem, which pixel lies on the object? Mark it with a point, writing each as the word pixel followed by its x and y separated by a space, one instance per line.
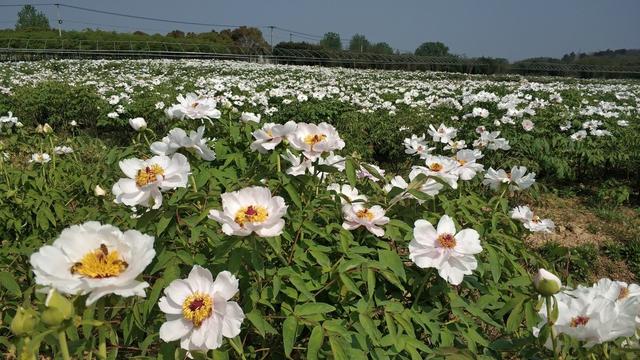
pixel 500 198
pixel 102 338
pixel 423 282
pixel 64 349
pixel 550 322
pixel 237 348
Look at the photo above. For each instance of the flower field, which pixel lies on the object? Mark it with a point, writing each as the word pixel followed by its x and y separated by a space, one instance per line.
pixel 202 209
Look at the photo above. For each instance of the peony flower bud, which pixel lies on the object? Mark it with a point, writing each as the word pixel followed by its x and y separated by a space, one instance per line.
pixel 546 283
pixel 47 129
pixel 24 322
pixel 98 191
pixel 138 124
pixel 73 123
pixel 60 303
pixel 51 317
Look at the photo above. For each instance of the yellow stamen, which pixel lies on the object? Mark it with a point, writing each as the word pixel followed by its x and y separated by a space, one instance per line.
pixel 149 175
pixel 365 214
pixel 447 241
pixel 462 162
pixel 100 263
pixel 197 307
pixel 314 139
pixel 252 214
pixel 435 167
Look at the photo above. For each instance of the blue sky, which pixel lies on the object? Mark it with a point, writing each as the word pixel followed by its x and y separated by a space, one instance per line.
pixel 514 29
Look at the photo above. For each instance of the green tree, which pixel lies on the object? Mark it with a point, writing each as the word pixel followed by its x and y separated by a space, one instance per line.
pixel 359 43
pixel 331 41
pixel 432 49
pixel 32 19
pixel 381 48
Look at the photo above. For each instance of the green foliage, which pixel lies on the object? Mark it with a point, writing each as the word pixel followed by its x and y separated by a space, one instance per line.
pixel 31 19
pixel 331 41
pixel 359 43
pixel 432 49
pixel 58 104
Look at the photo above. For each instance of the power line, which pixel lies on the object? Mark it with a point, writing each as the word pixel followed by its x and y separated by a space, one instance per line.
pixel 151 18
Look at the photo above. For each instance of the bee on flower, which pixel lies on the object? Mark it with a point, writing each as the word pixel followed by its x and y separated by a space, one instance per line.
pixel 94 259
pixel 147 179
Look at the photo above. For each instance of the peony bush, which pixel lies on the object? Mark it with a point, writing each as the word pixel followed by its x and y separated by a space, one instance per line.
pixel 228 236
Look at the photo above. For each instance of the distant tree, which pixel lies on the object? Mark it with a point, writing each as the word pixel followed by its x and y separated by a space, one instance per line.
pixel 432 49
pixel 381 48
pixel 176 34
pixel 331 41
pixel 140 33
pixel 31 19
pixel 246 37
pixel 359 43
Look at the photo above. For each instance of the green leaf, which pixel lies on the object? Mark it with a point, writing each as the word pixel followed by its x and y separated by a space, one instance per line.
pixel 350 170
pixel 312 309
pixel 293 194
pixel 261 325
pixel 315 342
pixel 8 282
pixel 392 260
pixel 289 328
pixel 337 348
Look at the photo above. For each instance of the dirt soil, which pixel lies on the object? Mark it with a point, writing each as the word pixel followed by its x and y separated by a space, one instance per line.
pixel 577 224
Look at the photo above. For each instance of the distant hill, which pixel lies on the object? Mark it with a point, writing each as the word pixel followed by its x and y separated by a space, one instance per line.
pixel 619 57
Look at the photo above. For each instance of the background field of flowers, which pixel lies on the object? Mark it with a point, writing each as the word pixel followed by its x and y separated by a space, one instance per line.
pixel 335 275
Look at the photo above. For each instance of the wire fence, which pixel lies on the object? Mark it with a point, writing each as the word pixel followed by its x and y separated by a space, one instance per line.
pixel 14 49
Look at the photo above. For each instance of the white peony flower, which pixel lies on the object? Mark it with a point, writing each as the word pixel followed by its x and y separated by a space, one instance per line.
pixel 443 134
pixel 531 221
pixel 313 140
pixel 467 165
pixel 271 135
pixel 416 145
pixel 357 214
pixel 94 259
pixel 178 138
pixel 199 312
pixel 40 158
pixel 147 179
pixel 249 210
pixel 578 135
pixel 138 124
pixel 192 106
pixel 527 125
pixel 250 117
pixel 62 150
pixel 300 165
pixel 349 194
pixel 438 166
pixel 442 248
pixel 516 179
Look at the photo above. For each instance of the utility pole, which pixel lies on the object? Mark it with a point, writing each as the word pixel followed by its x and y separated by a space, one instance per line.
pixel 271 35
pixel 290 37
pixel 59 20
